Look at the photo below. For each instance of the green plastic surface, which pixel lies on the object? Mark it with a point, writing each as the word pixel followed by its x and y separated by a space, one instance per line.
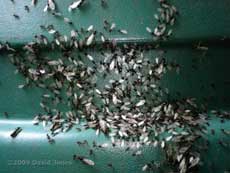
pixel 201 20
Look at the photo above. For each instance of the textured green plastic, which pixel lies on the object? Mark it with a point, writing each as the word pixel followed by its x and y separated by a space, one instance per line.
pixel 201 20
